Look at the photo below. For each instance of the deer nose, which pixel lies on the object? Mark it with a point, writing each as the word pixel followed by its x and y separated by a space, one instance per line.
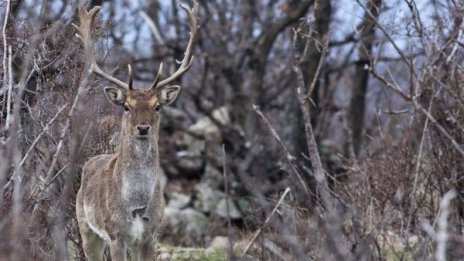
pixel 143 129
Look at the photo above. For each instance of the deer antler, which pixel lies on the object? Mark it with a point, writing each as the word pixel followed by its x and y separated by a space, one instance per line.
pixel 86 19
pixel 129 71
pixel 186 63
pixel 157 78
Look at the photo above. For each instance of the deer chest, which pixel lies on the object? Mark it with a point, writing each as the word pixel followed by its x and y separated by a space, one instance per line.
pixel 138 186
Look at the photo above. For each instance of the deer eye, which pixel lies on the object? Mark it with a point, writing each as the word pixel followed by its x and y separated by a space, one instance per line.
pixel 126 108
pixel 157 107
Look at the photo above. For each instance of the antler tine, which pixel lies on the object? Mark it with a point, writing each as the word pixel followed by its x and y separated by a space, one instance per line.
pixel 129 71
pixel 86 19
pixel 158 75
pixel 187 61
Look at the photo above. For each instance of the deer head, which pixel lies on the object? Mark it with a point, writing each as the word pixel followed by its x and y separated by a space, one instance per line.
pixel 140 117
pixel 141 107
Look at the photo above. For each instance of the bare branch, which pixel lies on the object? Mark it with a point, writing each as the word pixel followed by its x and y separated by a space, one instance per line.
pixel 288 157
pixel 153 27
pixel 397 89
pixel 414 200
pixel 384 31
pixel 287 190
pixel 5 47
pixel 319 66
pixel 455 47
pixel 10 88
pixel 311 142
pixel 34 143
pixel 441 236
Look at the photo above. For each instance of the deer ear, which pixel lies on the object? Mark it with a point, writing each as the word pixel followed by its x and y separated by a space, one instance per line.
pixel 168 94
pixel 115 95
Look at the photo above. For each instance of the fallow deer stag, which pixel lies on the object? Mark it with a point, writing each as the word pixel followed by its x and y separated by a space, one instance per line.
pixel 120 202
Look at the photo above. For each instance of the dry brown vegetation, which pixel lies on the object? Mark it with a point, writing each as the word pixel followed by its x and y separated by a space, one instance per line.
pixel 356 106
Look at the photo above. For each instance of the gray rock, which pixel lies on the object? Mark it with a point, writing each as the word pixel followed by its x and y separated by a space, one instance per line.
pixel 207 198
pixel 219 244
pixel 206 128
pixel 214 154
pixel 171 112
pixel 197 221
pixel 190 164
pixel 187 220
pixel 191 159
pixel 195 146
pixel 227 208
pixel 212 176
pixel 244 205
pixel 179 200
pixel 163 179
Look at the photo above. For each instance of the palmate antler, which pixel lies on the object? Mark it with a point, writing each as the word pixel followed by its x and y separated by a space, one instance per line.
pixel 86 19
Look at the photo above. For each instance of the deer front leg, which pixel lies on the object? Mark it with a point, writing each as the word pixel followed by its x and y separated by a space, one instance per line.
pixel 93 245
pixel 135 252
pixel 118 250
pixel 148 250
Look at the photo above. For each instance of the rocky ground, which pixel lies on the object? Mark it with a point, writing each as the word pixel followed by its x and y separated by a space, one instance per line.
pixel 197 207
pixel 203 222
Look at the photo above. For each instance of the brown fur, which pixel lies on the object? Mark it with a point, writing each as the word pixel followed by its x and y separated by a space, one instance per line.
pixel 120 203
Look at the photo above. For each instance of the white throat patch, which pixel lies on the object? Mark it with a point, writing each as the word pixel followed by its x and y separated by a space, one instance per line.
pixel 137 229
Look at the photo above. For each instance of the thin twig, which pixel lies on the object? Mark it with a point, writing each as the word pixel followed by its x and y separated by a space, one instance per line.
pixel 287 190
pixel 15 136
pixel 319 66
pixel 5 47
pixel 276 250
pixel 34 143
pixel 313 151
pixel 455 144
pixel 80 93
pixel 154 29
pixel 419 107
pixel 416 18
pixel 384 31
pixel 226 190
pixel 10 88
pixel 414 202
pixel 328 200
pixel 76 106
pixel 288 157
pixel 455 48
pixel 442 234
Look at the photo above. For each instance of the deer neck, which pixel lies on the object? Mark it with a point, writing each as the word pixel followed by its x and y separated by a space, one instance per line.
pixel 138 153
pixel 138 170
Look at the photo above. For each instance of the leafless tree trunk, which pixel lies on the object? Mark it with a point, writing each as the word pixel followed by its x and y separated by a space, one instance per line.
pixel 356 111
pixel 318 29
pixel 258 62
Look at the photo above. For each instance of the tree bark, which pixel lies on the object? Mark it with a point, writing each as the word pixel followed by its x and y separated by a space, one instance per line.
pixel 357 106
pixel 294 134
pixel 258 62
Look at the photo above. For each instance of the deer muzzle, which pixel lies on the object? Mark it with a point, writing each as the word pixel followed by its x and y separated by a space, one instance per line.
pixel 143 129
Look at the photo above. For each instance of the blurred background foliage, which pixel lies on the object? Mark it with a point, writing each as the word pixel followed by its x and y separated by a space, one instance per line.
pixel 386 108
